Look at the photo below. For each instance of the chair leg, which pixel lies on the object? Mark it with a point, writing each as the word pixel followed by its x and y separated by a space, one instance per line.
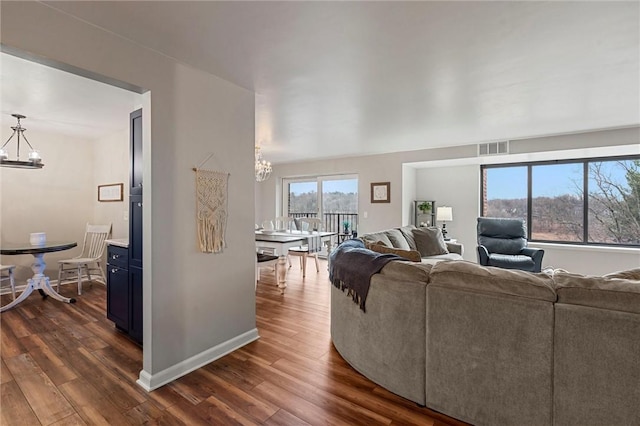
pixel 104 279
pixel 257 273
pixel 88 270
pixel 303 259
pixel 79 272
pixel 60 272
pixel 12 282
pixel 317 264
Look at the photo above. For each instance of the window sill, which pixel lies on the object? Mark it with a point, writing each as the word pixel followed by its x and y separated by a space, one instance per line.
pixel 587 248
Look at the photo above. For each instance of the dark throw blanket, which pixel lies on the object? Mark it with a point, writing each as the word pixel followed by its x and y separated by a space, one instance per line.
pixel 352 266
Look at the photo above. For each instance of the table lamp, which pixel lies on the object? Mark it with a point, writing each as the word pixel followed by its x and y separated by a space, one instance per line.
pixel 444 214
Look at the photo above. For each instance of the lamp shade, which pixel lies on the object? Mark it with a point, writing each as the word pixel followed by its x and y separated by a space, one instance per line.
pixel 444 214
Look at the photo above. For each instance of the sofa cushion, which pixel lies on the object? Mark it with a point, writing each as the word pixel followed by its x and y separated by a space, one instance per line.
pixel 606 292
pixel 438 257
pixel 471 276
pixel 377 236
pixel 412 255
pixel 631 274
pixel 430 241
pixel 407 232
pixel 397 239
pixel 406 271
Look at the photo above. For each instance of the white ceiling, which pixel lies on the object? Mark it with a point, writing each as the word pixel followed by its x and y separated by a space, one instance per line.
pixel 351 78
pixel 55 101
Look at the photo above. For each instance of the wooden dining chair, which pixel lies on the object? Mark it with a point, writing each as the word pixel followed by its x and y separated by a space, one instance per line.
pixel 88 260
pixel 7 275
pixel 264 260
pixel 285 223
pixel 309 225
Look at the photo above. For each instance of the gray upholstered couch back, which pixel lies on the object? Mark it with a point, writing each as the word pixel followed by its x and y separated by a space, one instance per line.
pixel 499 347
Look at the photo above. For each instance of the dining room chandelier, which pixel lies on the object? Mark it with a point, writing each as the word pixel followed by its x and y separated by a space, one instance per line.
pixel 263 168
pixel 34 161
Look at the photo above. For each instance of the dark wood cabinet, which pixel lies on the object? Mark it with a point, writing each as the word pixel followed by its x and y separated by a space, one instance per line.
pixel 135 231
pixel 135 135
pixel 118 287
pixel 135 228
pixel 124 280
pixel 124 292
pixel 135 294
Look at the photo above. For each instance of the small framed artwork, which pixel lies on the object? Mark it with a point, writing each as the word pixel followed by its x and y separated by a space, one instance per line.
pixel 381 192
pixel 111 192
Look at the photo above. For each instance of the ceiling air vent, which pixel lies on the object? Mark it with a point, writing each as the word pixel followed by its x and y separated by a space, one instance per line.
pixel 493 148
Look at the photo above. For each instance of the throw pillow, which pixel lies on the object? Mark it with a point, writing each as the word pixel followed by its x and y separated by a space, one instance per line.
pixel 378 236
pixel 430 241
pixel 411 255
pixel 407 232
pixel 397 239
pixel 369 244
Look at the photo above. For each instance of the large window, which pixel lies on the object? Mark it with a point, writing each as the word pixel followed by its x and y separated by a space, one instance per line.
pixel 550 197
pixel 505 192
pixel 332 198
pixel 557 202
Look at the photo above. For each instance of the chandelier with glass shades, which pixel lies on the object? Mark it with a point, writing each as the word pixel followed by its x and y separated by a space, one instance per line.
pixel 34 161
pixel 263 168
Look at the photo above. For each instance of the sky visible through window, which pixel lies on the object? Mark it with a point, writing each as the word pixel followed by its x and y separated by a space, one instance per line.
pixel 506 183
pixel 551 180
pixel 345 185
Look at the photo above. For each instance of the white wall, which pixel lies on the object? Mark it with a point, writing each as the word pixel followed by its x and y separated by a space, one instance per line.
pixel 369 169
pixel 450 176
pixel 408 194
pixel 111 165
pixel 196 306
pixel 65 190
pixel 57 199
pixel 456 187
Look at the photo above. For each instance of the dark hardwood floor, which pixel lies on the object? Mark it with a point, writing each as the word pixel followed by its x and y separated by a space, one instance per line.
pixel 65 365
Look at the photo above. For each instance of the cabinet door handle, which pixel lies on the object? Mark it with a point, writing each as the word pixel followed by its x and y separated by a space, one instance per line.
pixel 140 184
pixel 114 270
pixel 139 204
pixel 115 256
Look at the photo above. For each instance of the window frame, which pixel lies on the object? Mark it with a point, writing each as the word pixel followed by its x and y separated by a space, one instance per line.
pixel 585 186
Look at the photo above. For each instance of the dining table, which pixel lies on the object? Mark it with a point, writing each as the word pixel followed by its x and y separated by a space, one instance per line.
pixel 282 241
pixel 39 281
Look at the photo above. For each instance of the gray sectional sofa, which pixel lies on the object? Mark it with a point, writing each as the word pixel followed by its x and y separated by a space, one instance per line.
pixel 404 238
pixel 499 347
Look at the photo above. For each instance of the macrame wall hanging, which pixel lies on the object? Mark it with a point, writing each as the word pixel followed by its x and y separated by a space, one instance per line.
pixel 211 208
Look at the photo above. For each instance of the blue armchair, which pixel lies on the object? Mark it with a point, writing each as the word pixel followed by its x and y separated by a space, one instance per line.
pixel 503 243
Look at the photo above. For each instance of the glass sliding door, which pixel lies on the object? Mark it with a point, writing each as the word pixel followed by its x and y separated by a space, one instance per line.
pixel 340 203
pixel 334 199
pixel 301 198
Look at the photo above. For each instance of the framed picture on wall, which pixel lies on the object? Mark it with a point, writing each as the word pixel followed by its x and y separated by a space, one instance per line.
pixel 381 192
pixel 111 192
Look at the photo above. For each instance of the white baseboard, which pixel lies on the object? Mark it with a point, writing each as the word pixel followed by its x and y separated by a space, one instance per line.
pixel 151 382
